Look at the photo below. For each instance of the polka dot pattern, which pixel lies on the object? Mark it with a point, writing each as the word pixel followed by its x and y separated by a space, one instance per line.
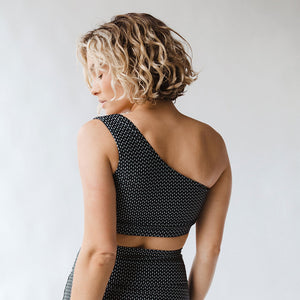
pixel 68 286
pixel 144 274
pixel 152 198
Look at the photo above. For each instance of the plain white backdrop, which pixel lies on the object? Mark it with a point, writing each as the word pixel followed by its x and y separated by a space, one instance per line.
pixel 248 90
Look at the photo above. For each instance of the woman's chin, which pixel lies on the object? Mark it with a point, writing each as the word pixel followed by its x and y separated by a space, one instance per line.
pixel 101 110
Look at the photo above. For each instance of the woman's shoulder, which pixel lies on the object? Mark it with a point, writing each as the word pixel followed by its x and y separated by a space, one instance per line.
pixel 95 131
pixel 206 130
pixel 212 140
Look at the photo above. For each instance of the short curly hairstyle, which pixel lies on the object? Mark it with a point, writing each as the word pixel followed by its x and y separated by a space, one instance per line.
pixel 142 55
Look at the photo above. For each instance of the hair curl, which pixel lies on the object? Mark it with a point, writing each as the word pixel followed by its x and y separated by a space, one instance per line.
pixel 142 55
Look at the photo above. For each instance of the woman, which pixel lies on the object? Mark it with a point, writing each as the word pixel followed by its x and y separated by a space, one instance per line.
pixel 148 171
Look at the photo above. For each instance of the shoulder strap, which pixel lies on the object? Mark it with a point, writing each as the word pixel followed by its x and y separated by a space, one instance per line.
pixel 123 134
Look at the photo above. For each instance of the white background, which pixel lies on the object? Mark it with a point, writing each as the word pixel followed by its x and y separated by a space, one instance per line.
pixel 248 91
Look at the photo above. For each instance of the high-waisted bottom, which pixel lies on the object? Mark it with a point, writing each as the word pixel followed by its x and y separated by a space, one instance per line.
pixel 144 274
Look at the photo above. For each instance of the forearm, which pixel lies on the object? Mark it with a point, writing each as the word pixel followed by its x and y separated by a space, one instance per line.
pixel 91 275
pixel 201 276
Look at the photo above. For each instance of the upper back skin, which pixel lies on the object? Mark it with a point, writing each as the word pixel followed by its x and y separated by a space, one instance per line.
pixel 189 146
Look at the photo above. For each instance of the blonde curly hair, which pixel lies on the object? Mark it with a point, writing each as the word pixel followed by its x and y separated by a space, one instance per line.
pixel 142 56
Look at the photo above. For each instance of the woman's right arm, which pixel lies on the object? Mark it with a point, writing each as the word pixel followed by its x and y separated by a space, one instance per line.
pixel 209 232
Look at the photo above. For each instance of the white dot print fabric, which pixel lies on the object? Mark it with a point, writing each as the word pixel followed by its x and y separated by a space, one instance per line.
pixel 152 199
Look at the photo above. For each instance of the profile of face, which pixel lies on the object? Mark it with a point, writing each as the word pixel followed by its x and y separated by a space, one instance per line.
pixel 102 89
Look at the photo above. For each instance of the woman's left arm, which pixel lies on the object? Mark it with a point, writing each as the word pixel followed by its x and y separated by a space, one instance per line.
pixel 97 254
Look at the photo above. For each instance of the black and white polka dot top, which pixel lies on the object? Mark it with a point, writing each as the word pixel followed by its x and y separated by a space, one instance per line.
pixel 152 198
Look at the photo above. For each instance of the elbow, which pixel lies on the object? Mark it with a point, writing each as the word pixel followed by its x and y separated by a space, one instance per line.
pixel 99 256
pixel 208 253
pixel 215 251
pixel 103 258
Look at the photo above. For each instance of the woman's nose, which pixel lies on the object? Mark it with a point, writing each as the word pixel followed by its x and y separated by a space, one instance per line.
pixel 94 90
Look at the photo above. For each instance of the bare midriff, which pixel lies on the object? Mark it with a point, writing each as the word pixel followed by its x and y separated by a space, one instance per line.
pixel 152 242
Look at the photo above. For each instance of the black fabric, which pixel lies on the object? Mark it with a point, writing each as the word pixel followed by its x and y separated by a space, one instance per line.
pixel 152 198
pixel 144 274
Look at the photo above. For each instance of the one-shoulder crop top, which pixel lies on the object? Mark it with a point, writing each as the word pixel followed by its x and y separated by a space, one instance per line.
pixel 152 198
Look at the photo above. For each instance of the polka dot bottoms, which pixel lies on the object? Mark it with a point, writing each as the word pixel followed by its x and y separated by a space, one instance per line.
pixel 144 274
pixel 68 286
